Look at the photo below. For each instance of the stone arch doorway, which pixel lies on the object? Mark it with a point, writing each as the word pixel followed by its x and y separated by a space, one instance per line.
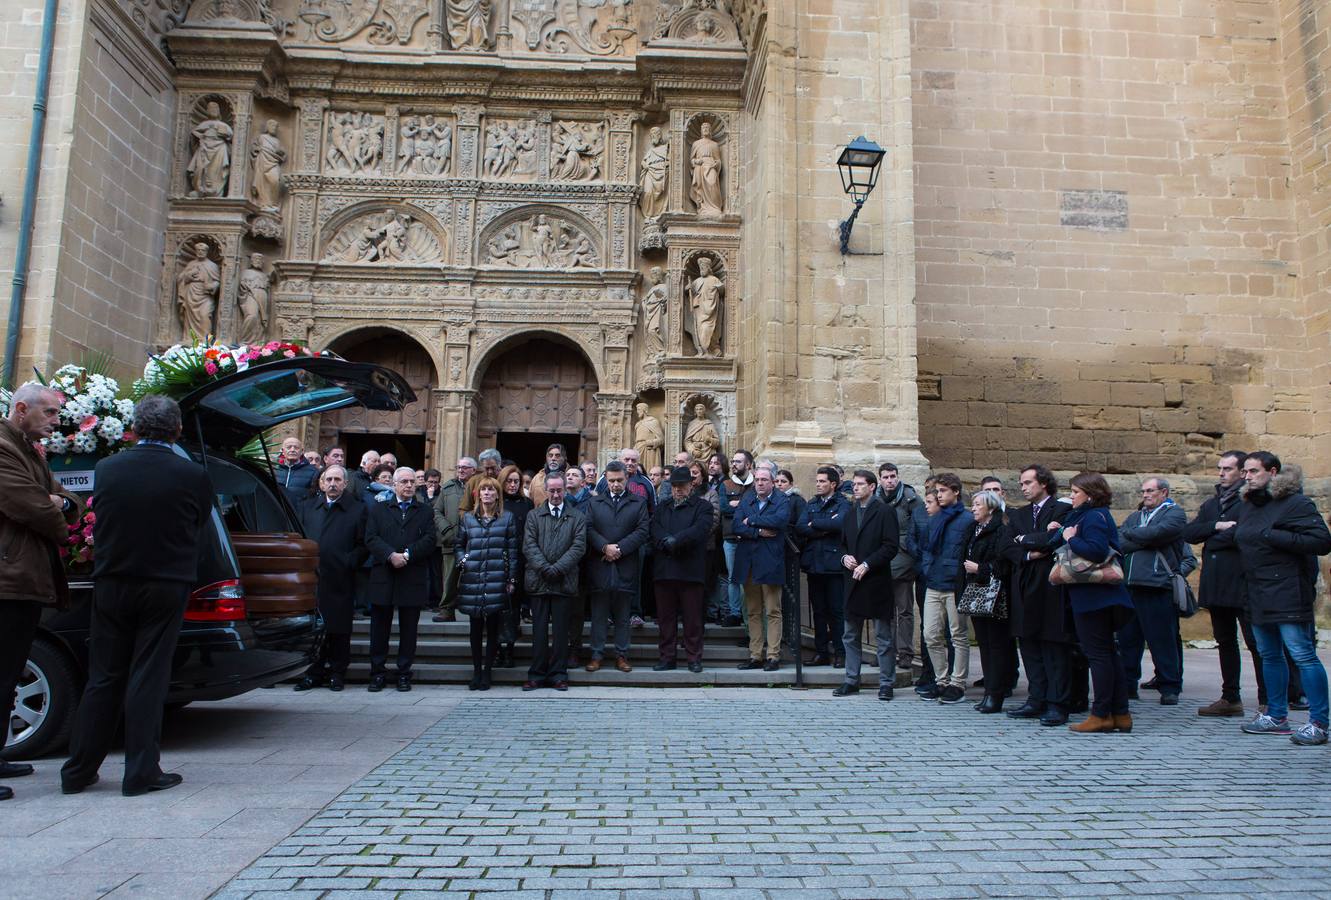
pixel 534 392
pixel 409 434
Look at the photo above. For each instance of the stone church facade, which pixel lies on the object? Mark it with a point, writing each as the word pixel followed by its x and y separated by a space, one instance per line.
pixel 1099 237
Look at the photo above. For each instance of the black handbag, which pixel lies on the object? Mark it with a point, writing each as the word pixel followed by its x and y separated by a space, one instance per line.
pixel 984 600
pixel 1184 599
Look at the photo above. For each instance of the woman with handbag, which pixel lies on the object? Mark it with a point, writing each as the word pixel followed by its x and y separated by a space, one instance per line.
pixel 985 598
pixel 1087 563
pixel 487 553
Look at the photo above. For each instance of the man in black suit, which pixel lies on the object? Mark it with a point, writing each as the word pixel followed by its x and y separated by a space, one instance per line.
pixel 336 522
pixel 1038 615
pixel 400 536
pixel 152 508
pixel 869 542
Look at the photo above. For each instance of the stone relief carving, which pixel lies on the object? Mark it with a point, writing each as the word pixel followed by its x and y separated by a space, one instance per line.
pixel 336 20
pixel 701 437
pixel 653 314
pixel 267 154
pixel 425 146
pixel 510 149
pixel 397 21
pixel 209 167
pixel 252 302
pixel 648 438
pixel 233 11
pixel 198 281
pixel 706 22
pixel 576 151
pixel 544 241
pixel 390 237
pixel 597 27
pixel 705 298
pixel 706 165
pixel 469 24
pixel 355 143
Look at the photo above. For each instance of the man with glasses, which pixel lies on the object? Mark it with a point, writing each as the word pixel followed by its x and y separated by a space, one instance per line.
pixel 1151 541
pixel 447 508
pixel 554 539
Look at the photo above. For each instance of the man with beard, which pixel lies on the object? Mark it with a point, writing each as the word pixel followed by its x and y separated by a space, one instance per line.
pixel 556 461
pixel 731 489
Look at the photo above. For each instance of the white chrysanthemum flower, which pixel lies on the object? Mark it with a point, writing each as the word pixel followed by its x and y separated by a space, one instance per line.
pixel 85 442
pixel 112 429
pixel 124 409
pixel 56 443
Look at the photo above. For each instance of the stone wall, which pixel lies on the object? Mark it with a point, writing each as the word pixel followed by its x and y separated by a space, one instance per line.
pixel 1106 249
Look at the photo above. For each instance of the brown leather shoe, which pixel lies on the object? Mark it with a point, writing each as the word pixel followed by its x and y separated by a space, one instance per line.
pixel 1093 725
pixel 594 665
pixel 1222 709
pixel 1122 722
pixel 622 665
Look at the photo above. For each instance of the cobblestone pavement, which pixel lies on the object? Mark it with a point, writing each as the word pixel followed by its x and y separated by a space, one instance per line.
pixel 640 796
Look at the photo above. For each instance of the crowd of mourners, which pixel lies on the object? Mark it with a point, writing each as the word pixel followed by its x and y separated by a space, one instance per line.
pixel 1055 582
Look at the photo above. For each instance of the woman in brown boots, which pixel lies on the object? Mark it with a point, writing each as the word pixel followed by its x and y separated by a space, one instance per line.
pixel 1098 609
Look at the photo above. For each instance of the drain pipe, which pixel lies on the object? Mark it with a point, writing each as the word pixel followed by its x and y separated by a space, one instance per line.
pixel 23 255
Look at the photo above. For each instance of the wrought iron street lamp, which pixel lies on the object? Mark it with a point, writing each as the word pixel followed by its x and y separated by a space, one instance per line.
pixel 859 163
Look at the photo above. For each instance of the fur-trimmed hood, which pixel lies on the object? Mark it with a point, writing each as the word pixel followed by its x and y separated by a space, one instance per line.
pixel 1285 483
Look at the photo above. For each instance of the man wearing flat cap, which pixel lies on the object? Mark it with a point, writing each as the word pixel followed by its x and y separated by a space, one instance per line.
pixel 681 527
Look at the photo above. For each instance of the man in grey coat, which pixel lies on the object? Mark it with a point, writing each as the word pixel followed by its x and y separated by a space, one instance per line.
pixel 554 540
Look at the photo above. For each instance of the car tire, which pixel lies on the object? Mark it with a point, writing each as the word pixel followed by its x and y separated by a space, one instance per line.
pixel 49 690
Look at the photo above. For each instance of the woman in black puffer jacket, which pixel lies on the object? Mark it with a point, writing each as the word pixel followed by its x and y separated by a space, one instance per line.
pixel 487 558
pixel 981 562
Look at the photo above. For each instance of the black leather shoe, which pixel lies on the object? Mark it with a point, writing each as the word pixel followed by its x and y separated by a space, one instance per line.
pixel 475 683
pixel 990 705
pixel 164 782
pixel 819 659
pixel 664 666
pixel 376 684
pixel 336 683
pixel 14 770
pixel 1053 716
pixel 695 667
pixel 1027 710
pixel 6 793
pixel 1152 685
pixel 845 689
pixel 561 685
pixel 1169 699
pixel 884 693
pixel 77 787
pixel 529 685
pixel 771 665
pixel 485 680
pixel 404 683
pixel 838 661
pixel 308 683
pixel 750 664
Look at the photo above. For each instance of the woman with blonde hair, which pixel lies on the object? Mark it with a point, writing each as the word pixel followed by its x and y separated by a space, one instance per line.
pixel 487 559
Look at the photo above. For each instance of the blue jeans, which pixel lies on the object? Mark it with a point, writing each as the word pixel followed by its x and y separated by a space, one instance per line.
pixel 1156 625
pixel 1300 638
pixel 887 654
pixel 734 592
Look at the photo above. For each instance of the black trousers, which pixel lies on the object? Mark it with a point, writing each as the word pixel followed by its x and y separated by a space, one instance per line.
pixel 1048 672
pixel 1095 630
pixel 828 605
pixel 18 625
pixel 998 654
pixel 135 624
pixel 549 638
pixel 484 629
pixel 381 625
pixel 334 657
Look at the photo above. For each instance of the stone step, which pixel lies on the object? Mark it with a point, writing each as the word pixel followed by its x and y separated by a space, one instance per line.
pixel 643 676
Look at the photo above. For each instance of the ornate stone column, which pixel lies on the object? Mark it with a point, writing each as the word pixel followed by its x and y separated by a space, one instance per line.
pixel 614 414
pixel 454 425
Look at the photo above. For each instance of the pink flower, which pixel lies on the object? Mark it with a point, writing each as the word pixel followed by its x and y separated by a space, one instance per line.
pixel 90 518
pixel 88 423
pixel 290 354
pixel 87 533
pixel 265 352
pixel 210 368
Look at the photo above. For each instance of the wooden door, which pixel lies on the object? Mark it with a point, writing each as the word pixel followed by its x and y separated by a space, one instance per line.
pixel 410 360
pixel 538 387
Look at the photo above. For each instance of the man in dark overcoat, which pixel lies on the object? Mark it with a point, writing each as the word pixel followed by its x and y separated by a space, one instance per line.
pixel 1039 616
pixel 153 508
pixel 400 537
pixel 681 529
pixel 334 520
pixel 869 542
pixel 617 528
pixel 35 513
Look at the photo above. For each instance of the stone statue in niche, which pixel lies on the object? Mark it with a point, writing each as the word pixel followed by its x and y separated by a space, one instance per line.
pixel 510 149
pixel 355 143
pixel 648 438
pixel 576 150
pixel 197 285
pixel 469 24
pixel 252 303
pixel 706 293
pixel 653 314
pixel 542 242
pixel 705 162
pixel 210 166
pixel 701 438
pixel 268 155
pixel 655 177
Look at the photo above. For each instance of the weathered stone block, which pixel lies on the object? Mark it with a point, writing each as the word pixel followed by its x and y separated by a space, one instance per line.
pixel 1137 394
pixel 1106 417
